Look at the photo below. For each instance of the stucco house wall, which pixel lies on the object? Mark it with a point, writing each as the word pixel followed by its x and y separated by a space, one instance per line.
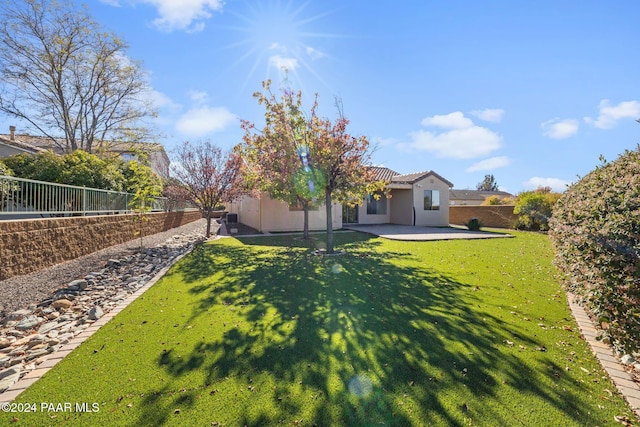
pixel 405 206
pixel 364 218
pixel 436 218
pixel 266 214
pixel 401 207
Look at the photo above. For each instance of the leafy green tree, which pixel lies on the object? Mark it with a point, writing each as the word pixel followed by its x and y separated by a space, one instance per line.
pixel 5 170
pixel 535 208
pixel 88 170
pixel 497 201
pixel 46 166
pixel 488 184
pixel 7 188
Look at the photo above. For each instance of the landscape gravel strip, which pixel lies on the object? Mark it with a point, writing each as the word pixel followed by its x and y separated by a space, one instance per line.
pixel 21 291
pixel 59 311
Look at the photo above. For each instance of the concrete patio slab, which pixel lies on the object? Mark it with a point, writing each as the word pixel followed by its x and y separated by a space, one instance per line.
pixel 417 233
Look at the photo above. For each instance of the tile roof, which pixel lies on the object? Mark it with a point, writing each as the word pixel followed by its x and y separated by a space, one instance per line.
pixel 415 177
pixel 42 143
pixel 476 194
pixel 383 174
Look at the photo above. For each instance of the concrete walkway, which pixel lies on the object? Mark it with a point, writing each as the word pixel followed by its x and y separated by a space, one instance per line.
pixel 417 233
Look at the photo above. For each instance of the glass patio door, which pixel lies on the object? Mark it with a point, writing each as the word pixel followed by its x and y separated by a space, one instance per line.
pixel 349 214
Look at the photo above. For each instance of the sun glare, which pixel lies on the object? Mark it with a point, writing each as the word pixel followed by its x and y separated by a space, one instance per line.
pixel 278 36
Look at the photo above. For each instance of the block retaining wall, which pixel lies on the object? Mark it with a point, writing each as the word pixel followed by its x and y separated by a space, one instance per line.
pixel 500 216
pixel 30 245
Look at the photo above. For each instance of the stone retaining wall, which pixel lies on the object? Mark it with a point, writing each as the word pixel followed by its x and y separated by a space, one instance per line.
pixel 499 216
pixel 30 245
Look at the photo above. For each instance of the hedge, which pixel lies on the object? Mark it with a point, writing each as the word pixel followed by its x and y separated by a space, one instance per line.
pixel 595 231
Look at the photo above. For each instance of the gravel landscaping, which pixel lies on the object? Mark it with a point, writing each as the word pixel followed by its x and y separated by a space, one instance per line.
pixel 21 291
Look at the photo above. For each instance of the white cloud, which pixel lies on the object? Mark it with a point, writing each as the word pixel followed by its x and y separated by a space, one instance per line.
pixel 466 143
pixel 559 129
pixel 489 164
pixel 281 62
pixel 610 115
pixel 187 15
pixel 198 96
pixel 160 100
pixel 493 115
pixel 556 184
pixel 455 120
pixel 461 139
pixel 203 120
pixel 314 54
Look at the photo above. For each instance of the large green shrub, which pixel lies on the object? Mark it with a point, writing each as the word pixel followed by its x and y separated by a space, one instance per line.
pixel 87 170
pixel 595 231
pixel 5 170
pixel 534 209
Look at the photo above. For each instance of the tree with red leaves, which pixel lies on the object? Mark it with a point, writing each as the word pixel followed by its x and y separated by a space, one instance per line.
pixel 342 160
pixel 298 157
pixel 274 157
pixel 210 175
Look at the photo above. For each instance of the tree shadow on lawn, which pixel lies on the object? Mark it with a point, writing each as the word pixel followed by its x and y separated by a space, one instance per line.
pixel 353 340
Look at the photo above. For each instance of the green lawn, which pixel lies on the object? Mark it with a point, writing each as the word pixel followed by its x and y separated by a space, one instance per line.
pixel 257 331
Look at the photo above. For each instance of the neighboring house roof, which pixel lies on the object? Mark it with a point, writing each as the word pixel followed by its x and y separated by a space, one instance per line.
pixel 476 194
pixel 5 140
pixel 36 144
pixel 415 177
pixel 42 143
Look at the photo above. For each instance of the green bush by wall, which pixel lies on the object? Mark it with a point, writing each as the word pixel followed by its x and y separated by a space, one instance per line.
pixel 595 230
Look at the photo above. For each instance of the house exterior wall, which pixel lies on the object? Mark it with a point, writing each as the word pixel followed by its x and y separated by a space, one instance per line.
pixel 266 214
pixel 439 218
pixel 401 207
pixel 248 210
pixel 364 218
pixel 7 150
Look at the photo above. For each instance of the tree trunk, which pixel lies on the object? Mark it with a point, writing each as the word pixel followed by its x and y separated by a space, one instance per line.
pixel 305 233
pixel 327 201
pixel 208 216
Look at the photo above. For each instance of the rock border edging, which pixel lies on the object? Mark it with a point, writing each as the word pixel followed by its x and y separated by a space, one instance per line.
pixel 21 385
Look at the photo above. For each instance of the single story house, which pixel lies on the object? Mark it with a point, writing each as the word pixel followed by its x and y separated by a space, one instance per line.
pixel 420 198
pixel 13 143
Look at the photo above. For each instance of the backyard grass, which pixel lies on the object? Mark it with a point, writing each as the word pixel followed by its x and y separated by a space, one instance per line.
pixel 257 331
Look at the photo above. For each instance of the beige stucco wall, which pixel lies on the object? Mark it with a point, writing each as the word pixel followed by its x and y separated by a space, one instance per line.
pixel 266 214
pixel 439 218
pixel 248 210
pixel 401 207
pixel 363 218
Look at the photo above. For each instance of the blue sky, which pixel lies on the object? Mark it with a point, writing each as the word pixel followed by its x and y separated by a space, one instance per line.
pixel 532 93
